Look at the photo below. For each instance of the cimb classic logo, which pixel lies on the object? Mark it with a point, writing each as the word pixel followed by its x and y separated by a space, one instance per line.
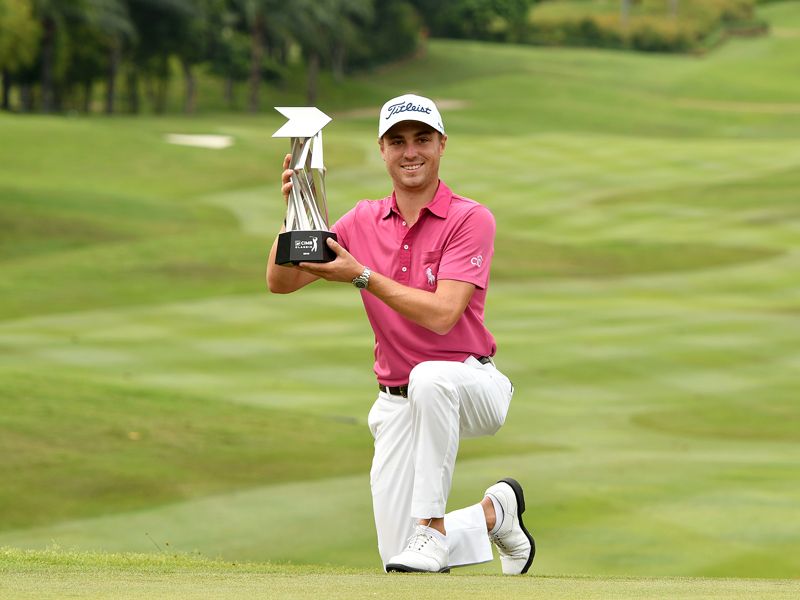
pixel 306 244
pixel 401 107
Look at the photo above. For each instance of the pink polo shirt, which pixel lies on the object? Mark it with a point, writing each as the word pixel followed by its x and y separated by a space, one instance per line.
pixel 452 239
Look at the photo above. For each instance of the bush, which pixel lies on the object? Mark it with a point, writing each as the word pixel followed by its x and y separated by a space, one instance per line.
pixel 648 28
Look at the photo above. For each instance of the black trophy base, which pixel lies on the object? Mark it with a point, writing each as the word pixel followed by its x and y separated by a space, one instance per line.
pixel 304 246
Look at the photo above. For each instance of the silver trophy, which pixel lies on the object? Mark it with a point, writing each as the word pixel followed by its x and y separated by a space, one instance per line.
pixel 305 238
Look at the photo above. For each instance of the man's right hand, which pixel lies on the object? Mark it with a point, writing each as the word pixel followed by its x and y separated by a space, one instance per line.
pixel 285 279
pixel 286 178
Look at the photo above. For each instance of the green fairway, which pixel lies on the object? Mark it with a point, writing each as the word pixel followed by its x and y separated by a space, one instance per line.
pixel 645 299
pixel 45 575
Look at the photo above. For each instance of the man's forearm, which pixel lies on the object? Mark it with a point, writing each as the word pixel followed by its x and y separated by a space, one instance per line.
pixel 438 311
pixel 284 280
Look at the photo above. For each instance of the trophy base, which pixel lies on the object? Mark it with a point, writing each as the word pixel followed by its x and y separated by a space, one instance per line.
pixel 304 246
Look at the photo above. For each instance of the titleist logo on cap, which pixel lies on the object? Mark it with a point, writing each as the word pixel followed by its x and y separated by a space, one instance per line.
pixel 402 107
pixel 409 107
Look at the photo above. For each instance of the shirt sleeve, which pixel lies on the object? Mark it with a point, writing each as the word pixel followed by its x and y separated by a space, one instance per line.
pixel 343 227
pixel 468 253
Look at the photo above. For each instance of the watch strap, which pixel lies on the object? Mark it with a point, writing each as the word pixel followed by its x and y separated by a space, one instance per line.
pixel 362 281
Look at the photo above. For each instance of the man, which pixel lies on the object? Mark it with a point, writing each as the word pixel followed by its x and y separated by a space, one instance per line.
pixel 421 258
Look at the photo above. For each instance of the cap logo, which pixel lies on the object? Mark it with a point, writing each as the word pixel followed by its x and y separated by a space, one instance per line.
pixel 409 107
pixel 401 107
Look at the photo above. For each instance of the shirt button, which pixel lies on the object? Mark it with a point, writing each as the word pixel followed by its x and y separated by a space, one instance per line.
pixel 405 247
pixel 404 223
pixel 404 269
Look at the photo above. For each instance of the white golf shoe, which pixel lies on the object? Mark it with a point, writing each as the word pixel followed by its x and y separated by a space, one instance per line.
pixel 514 543
pixel 425 553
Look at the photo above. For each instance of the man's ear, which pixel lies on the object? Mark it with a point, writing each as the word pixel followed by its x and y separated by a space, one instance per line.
pixel 443 144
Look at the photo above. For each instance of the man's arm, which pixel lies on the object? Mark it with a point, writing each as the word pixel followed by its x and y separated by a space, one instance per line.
pixel 284 280
pixel 438 311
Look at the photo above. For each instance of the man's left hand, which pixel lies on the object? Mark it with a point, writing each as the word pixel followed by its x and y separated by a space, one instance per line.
pixel 344 268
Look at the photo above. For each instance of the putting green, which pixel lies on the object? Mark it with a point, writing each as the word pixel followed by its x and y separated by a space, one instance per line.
pixel 47 575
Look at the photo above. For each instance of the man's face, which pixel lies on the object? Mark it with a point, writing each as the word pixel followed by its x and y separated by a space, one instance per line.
pixel 412 151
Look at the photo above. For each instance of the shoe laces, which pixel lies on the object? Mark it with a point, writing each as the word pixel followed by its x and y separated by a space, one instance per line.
pixel 498 541
pixel 419 539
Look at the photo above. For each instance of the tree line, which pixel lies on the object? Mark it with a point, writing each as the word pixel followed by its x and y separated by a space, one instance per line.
pixel 56 54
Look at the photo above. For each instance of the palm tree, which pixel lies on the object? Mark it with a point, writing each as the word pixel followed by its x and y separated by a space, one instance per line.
pixel 229 50
pixel 112 18
pixel 19 42
pixel 52 15
pixel 56 15
pixel 258 14
pixel 162 27
pixel 325 29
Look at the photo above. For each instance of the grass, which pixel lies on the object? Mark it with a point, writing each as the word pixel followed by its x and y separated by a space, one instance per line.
pixel 110 440
pixel 644 299
pixel 54 574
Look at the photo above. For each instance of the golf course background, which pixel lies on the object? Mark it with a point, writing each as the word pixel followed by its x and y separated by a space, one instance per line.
pixel 645 299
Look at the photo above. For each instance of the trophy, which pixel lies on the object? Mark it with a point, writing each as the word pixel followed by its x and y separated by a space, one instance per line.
pixel 305 238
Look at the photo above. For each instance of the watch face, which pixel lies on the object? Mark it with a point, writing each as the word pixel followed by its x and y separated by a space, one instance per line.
pixel 360 283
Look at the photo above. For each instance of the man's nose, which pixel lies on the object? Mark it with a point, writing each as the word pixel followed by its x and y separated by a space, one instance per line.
pixel 410 150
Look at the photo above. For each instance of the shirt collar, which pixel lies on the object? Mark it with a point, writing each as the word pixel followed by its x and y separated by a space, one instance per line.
pixel 438 206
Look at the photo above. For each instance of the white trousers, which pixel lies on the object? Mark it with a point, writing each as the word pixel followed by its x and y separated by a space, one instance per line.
pixel 416 442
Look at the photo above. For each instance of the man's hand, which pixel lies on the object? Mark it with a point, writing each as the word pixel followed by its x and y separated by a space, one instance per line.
pixel 344 268
pixel 285 279
pixel 286 178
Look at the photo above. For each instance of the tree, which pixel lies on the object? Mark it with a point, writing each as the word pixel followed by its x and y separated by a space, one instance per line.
pixel 20 33
pixel 325 29
pixel 348 19
pixel 264 17
pixel 395 31
pixel 229 48
pixel 54 16
pixel 475 19
pixel 113 28
pixel 108 27
pixel 193 34
pixel 159 25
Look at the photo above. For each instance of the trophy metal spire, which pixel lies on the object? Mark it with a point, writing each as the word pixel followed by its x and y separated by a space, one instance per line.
pixel 307 209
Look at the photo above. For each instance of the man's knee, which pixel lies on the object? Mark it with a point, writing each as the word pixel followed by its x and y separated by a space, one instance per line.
pixel 429 382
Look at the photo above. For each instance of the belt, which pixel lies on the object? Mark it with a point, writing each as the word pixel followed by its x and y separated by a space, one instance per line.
pixel 402 390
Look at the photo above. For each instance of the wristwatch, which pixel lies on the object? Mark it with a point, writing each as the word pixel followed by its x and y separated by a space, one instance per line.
pixel 362 281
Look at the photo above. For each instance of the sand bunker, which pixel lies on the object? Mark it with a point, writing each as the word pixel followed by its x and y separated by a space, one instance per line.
pixel 217 142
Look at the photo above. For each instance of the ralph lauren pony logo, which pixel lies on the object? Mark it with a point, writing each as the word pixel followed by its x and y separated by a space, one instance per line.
pixel 431 277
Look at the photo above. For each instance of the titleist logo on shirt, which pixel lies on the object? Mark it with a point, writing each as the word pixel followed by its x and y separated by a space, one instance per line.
pixel 402 107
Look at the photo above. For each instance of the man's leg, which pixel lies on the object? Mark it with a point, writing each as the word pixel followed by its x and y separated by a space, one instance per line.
pixel 448 400
pixel 392 473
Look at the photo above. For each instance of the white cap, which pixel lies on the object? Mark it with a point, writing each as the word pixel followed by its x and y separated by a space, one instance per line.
pixel 409 107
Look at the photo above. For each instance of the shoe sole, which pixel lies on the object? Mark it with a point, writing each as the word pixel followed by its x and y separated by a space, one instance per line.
pixel 397 568
pixel 514 485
